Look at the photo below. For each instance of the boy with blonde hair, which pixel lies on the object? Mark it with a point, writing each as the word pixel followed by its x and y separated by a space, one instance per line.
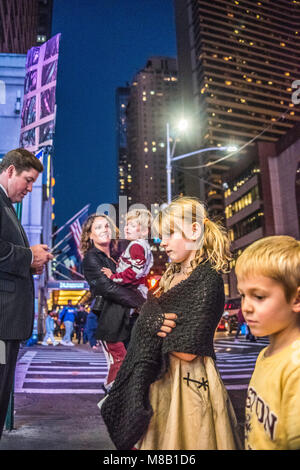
pixel 268 274
pixel 136 261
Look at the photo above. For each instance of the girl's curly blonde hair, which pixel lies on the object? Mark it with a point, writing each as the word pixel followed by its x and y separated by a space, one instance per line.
pixel 86 243
pixel 212 246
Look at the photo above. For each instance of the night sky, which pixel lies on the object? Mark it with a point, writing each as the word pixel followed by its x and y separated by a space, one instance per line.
pixel 103 44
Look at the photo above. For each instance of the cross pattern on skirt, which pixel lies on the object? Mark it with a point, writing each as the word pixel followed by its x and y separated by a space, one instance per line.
pixel 203 383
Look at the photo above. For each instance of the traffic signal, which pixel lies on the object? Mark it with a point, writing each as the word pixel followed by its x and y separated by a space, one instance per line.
pixel 153 281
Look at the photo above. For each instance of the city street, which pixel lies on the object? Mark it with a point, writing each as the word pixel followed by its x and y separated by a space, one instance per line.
pixel 57 391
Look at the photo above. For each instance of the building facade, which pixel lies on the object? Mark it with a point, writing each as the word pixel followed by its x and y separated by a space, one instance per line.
pixel 237 62
pixel 44 21
pixel 263 198
pixel 23 24
pixel 12 76
pixel 153 101
pixel 124 166
pixel 18 23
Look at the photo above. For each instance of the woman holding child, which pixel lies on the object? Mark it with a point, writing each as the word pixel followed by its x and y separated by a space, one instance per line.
pixel 98 246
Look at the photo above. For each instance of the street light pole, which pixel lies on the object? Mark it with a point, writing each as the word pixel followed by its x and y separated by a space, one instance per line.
pixel 169 167
pixel 171 158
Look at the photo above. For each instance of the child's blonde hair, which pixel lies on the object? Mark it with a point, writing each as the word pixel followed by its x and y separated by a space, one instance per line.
pixel 142 216
pixel 213 244
pixel 276 257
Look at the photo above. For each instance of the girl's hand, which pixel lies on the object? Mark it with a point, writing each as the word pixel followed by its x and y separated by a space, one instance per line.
pixel 107 272
pixel 167 325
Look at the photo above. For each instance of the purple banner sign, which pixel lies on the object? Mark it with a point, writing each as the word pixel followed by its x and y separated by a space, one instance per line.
pixel 38 113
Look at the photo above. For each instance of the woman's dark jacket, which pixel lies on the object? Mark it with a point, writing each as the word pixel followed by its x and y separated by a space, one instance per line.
pixel 198 302
pixel 114 324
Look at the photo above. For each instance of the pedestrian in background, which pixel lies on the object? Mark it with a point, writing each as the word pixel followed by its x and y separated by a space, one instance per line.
pixel 50 327
pixel 91 328
pixel 67 316
pixel 80 322
pixel 268 275
pixel 241 321
pixel 19 169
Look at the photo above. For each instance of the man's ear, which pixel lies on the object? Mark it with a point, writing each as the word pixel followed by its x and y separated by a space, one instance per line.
pixel 296 301
pixel 10 170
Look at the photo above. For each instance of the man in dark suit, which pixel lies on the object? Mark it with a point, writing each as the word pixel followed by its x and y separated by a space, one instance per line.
pixel 19 170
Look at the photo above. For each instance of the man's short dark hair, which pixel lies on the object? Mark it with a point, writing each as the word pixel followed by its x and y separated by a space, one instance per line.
pixel 22 160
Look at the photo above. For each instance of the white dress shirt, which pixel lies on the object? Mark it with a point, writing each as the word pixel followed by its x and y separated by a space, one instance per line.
pixel 1 186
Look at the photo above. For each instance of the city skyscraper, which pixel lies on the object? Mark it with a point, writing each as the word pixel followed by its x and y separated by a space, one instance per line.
pixel 124 166
pixel 153 101
pixel 237 62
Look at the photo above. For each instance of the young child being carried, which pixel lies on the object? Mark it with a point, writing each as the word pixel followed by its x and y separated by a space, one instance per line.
pixel 268 274
pixel 136 261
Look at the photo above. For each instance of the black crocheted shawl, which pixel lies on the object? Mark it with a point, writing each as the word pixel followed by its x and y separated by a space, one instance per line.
pixel 199 302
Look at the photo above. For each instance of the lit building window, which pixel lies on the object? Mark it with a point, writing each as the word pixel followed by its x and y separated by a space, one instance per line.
pixel 41 38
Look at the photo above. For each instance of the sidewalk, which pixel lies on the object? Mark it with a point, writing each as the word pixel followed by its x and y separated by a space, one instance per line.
pixel 57 422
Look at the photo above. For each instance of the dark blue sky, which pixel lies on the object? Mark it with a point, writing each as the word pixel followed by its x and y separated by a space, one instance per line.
pixel 103 44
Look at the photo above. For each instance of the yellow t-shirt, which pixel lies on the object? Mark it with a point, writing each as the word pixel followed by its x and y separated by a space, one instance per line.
pixel 273 401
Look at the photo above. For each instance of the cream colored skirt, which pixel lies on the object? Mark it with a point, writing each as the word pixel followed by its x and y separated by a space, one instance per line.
pixel 192 410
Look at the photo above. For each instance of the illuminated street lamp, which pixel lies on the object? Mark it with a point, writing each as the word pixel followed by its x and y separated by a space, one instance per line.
pixel 170 156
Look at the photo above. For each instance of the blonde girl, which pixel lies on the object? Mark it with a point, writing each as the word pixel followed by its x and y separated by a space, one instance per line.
pixel 175 398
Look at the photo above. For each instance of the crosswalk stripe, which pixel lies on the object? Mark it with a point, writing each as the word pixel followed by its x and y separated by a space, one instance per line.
pixel 95 368
pixel 235 367
pixel 44 371
pixel 59 380
pixel 75 371
pixel 64 391
pixel 237 387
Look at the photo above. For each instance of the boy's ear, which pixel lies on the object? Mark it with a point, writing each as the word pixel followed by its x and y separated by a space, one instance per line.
pixel 296 301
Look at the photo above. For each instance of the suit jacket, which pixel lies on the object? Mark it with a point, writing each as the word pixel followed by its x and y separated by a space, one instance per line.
pixel 16 282
pixel 114 321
